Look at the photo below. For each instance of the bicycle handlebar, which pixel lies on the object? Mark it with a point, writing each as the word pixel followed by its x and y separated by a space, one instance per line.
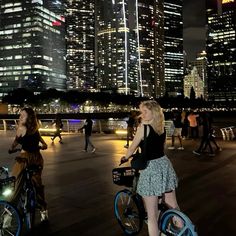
pixel 10 151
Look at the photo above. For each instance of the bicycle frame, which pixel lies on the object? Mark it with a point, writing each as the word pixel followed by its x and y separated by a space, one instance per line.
pixel 27 201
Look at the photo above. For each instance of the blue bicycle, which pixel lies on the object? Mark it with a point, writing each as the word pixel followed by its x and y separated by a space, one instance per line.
pixel 130 211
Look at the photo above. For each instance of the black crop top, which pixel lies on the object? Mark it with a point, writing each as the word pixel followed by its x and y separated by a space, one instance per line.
pixel 29 142
pixel 155 144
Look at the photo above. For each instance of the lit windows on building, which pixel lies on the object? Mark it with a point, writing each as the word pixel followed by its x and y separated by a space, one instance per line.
pixel 221 52
pixel 174 56
pixel 80 36
pixel 32 49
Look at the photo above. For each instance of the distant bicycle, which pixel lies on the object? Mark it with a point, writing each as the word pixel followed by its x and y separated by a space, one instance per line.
pixel 130 212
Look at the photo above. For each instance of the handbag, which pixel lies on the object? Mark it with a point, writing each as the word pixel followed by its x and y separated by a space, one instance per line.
pixel 139 161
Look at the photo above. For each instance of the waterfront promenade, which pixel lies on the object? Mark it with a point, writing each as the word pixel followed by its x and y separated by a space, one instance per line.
pixel 80 191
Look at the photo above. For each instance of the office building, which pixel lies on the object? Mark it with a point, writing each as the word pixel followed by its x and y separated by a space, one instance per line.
pixel 221 49
pixel 32 47
pixel 80 36
pixel 173 41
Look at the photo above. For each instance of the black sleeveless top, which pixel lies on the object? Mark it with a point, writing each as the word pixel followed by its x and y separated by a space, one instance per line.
pixel 30 142
pixel 154 144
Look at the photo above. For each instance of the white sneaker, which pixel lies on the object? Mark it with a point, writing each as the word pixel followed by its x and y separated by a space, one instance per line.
pixel 171 148
pixel 94 149
pixel 44 215
pixel 180 148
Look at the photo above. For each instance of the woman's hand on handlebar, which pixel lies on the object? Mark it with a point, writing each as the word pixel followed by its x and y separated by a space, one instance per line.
pixel 44 147
pixel 10 151
pixel 123 160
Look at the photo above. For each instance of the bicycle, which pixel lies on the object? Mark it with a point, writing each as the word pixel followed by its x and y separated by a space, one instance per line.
pixel 10 220
pixel 26 202
pixel 130 211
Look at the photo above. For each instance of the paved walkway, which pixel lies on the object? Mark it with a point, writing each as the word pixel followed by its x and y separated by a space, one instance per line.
pixel 80 191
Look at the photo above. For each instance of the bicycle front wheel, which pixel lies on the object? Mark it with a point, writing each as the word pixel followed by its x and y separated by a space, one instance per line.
pixel 10 221
pixel 128 212
pixel 173 222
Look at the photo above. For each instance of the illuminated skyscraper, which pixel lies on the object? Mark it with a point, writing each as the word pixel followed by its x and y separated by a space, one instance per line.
pixel 112 45
pixel 150 32
pixel 32 46
pixel 221 50
pixel 174 55
pixel 131 46
pixel 80 34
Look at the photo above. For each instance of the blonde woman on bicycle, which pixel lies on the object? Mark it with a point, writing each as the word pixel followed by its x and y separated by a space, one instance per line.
pixel 159 177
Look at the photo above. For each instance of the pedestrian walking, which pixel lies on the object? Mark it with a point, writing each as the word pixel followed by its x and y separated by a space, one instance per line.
pixel 88 132
pixel 130 128
pixel 177 122
pixel 206 136
pixel 59 125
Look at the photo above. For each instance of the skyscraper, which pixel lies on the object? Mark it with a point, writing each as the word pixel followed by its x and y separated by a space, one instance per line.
pixel 150 31
pixel 32 46
pixel 220 48
pixel 80 34
pixel 173 40
pixel 112 45
pixel 131 46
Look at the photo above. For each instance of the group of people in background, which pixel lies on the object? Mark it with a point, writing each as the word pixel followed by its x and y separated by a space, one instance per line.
pixel 185 125
pixel 188 126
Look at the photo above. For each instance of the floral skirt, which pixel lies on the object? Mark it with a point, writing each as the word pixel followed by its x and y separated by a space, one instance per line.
pixel 159 177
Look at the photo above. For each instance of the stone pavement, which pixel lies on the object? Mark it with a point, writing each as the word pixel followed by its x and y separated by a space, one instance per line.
pixel 80 191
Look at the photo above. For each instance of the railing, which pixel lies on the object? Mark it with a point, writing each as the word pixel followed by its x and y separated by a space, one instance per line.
pixel 71 125
pixel 228 133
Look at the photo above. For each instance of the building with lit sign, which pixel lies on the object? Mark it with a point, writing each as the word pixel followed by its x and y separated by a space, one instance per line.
pixel 201 65
pixel 32 47
pixel 80 35
pixel 193 80
pixel 173 41
pixel 221 50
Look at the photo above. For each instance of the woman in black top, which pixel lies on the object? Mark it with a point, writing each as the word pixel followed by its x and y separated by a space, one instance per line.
pixel 159 178
pixel 27 135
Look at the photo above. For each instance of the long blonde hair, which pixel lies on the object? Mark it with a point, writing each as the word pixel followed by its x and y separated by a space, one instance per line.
pixel 158 122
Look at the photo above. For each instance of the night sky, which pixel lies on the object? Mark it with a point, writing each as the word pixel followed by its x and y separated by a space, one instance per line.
pixel 194 19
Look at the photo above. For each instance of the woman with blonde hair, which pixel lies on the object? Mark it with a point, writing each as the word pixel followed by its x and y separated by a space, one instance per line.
pixel 158 178
pixel 28 136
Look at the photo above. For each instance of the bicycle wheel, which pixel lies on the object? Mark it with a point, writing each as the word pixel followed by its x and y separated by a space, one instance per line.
pixel 173 222
pixel 128 212
pixel 10 221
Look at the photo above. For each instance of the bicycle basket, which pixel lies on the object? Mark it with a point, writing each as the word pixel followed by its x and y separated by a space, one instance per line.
pixel 123 176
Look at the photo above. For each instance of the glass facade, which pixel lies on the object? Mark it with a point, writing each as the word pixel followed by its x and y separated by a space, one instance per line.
pixel 130 48
pixel 221 49
pixel 32 47
pixel 174 56
pixel 80 36
pixel 112 45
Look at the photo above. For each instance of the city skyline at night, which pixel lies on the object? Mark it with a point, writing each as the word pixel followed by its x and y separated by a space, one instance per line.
pixel 129 47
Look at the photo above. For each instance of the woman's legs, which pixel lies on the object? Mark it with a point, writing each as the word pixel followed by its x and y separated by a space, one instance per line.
pixel 151 204
pixel 170 200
